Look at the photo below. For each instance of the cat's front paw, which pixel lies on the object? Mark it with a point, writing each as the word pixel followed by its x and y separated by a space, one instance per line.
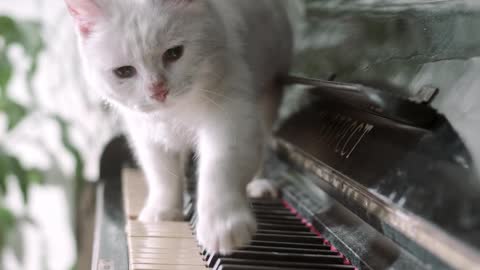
pixel 154 215
pixel 224 230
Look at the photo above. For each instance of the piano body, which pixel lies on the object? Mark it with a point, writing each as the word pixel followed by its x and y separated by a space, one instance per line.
pixel 369 179
pixel 365 183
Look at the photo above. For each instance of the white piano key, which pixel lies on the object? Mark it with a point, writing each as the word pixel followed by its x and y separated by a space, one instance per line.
pixel 135 191
pixel 169 261
pixel 162 255
pixel 166 267
pixel 163 229
pixel 174 243
pixel 191 251
pixel 156 246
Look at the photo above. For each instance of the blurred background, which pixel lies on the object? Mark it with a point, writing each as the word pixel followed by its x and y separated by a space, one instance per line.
pixel 53 129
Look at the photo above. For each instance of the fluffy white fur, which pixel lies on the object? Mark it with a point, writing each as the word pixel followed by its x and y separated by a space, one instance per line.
pixel 221 103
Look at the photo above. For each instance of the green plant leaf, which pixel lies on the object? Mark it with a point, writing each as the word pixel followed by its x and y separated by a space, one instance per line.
pixel 31 38
pixel 25 33
pixel 28 35
pixel 9 30
pixel 14 111
pixel 21 174
pixel 11 166
pixel 7 223
pixel 35 176
pixel 31 72
pixel 6 71
pixel 3 174
pixel 79 164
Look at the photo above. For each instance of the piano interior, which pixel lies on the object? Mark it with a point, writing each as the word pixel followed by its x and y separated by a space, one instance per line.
pixel 369 179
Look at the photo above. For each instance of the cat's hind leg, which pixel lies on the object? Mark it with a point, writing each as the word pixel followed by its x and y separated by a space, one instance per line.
pixel 261 188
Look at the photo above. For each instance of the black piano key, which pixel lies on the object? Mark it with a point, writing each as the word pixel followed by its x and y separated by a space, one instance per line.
pixel 282 242
pixel 268 206
pixel 277 232
pixel 324 251
pixel 279 208
pixel 267 202
pixel 193 218
pixel 276 212
pixel 277 257
pixel 189 211
pixel 249 267
pixel 277 227
pixel 278 265
pixel 289 238
pixel 274 216
pixel 272 208
pixel 280 221
pixel 227 264
pixel 290 244
pixel 282 257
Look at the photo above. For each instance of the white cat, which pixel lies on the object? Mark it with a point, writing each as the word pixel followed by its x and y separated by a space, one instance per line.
pixel 192 74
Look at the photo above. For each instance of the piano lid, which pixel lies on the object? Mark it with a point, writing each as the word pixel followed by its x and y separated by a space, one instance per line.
pixel 404 45
pixel 398 170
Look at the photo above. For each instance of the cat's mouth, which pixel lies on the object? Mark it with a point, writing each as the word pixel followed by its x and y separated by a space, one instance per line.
pixel 160 96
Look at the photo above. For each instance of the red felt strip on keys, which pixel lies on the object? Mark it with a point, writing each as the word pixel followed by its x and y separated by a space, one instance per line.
pixel 346 261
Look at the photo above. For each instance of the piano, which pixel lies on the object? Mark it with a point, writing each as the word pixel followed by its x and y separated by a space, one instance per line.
pixel 366 183
pixel 371 176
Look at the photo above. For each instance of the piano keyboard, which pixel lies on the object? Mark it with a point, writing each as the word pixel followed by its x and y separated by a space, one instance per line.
pixel 283 241
pixel 349 164
pixel 159 246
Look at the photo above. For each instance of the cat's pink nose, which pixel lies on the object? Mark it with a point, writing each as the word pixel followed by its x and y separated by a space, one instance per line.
pixel 158 91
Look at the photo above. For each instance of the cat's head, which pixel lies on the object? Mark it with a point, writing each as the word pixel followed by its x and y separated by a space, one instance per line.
pixel 147 55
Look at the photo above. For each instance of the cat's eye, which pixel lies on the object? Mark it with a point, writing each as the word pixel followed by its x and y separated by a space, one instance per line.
pixel 125 72
pixel 173 54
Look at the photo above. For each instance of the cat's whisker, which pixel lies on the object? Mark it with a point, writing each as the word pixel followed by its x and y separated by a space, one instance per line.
pixel 213 102
pixel 180 92
pixel 218 94
pixel 171 173
pixel 208 99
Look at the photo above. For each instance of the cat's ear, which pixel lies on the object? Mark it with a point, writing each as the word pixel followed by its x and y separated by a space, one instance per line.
pixel 86 14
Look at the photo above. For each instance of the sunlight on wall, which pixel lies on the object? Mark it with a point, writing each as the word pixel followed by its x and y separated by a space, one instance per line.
pixel 48 243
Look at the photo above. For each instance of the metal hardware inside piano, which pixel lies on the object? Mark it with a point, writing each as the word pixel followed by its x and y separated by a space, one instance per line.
pixel 368 180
